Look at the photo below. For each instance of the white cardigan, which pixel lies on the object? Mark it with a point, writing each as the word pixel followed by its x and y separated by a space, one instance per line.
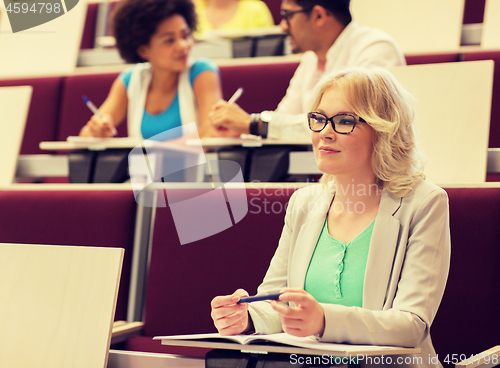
pixel 405 277
pixel 137 93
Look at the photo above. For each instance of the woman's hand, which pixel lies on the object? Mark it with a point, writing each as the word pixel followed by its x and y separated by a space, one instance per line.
pixel 305 319
pixel 230 318
pixel 99 127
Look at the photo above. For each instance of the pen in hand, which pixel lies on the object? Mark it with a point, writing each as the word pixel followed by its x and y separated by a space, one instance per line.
pixel 236 95
pixel 94 109
pixel 256 298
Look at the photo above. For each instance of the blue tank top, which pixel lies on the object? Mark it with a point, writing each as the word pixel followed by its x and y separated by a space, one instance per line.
pixel 154 124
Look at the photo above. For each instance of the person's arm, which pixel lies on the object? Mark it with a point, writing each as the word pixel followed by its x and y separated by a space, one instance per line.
pixel 289 120
pixel 207 91
pixel 265 319
pixel 420 288
pixel 229 119
pixel 292 102
pixel 114 108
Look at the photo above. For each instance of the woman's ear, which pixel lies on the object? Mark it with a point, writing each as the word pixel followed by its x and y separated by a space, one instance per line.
pixel 143 52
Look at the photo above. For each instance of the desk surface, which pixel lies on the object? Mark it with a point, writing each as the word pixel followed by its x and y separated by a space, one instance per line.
pixel 98 144
pixel 247 142
pixel 286 344
pixel 132 359
pixel 58 304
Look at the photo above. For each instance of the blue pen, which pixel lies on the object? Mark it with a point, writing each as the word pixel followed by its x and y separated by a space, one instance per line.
pixel 257 298
pixel 94 109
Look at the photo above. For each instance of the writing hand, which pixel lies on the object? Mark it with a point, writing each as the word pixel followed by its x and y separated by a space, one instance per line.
pixel 229 116
pixel 99 126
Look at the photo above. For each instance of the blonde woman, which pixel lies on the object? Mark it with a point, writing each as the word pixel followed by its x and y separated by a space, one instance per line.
pixel 231 15
pixel 364 256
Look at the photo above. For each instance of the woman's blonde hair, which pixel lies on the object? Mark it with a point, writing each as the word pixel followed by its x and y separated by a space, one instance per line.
pixel 376 96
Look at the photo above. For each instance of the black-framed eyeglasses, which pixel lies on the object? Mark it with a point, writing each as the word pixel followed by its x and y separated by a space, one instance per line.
pixel 285 14
pixel 343 123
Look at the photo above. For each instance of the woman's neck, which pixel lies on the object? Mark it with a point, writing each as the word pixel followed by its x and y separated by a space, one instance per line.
pixel 164 81
pixel 220 12
pixel 350 190
pixel 221 4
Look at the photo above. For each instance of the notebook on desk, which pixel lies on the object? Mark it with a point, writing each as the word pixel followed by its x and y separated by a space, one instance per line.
pixel 281 343
pixel 14 105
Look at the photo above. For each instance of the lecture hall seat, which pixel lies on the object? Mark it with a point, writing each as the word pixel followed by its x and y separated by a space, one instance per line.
pixel 41 124
pixel 474 11
pixel 264 84
pixel 467 321
pixel 88 36
pixel 274 7
pixel 101 218
pixel 432 58
pixel 256 96
pixel 74 113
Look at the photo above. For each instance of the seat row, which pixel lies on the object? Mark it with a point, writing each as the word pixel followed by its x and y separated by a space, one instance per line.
pixel 57 109
pixel 473 13
pixel 173 281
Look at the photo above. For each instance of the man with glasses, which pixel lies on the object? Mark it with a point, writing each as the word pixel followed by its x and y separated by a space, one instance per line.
pixel 330 40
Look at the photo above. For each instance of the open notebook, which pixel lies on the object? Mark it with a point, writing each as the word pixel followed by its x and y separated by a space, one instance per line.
pixel 281 343
pixel 14 105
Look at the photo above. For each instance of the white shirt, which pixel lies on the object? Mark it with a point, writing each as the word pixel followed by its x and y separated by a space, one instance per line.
pixel 356 46
pixel 137 92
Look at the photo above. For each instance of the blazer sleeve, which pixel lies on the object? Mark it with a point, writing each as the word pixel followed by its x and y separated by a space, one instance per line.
pixel 407 320
pixel 264 318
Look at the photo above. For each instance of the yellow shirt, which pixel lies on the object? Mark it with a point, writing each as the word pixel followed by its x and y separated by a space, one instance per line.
pixel 250 14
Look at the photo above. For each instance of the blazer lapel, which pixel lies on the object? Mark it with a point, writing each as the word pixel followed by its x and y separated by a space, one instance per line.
pixel 306 242
pixel 381 253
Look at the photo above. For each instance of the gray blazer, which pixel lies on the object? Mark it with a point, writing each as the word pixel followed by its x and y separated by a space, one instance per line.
pixel 405 277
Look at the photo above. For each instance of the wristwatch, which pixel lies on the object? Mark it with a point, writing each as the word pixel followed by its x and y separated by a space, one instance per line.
pixel 265 117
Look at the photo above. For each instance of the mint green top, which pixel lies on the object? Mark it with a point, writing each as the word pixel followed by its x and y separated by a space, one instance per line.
pixel 337 270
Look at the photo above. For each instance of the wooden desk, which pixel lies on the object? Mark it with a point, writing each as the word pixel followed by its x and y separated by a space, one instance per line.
pixel 132 359
pixel 109 160
pixel 58 304
pixel 263 160
pixel 491 25
pixel 14 104
pixel 417 26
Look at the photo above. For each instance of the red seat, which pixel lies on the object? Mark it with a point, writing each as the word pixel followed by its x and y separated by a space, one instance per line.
pixel 474 11
pixel 41 124
pixel 467 320
pixel 264 84
pixel 73 111
pixel 88 35
pixel 275 7
pixel 432 58
pixel 102 218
